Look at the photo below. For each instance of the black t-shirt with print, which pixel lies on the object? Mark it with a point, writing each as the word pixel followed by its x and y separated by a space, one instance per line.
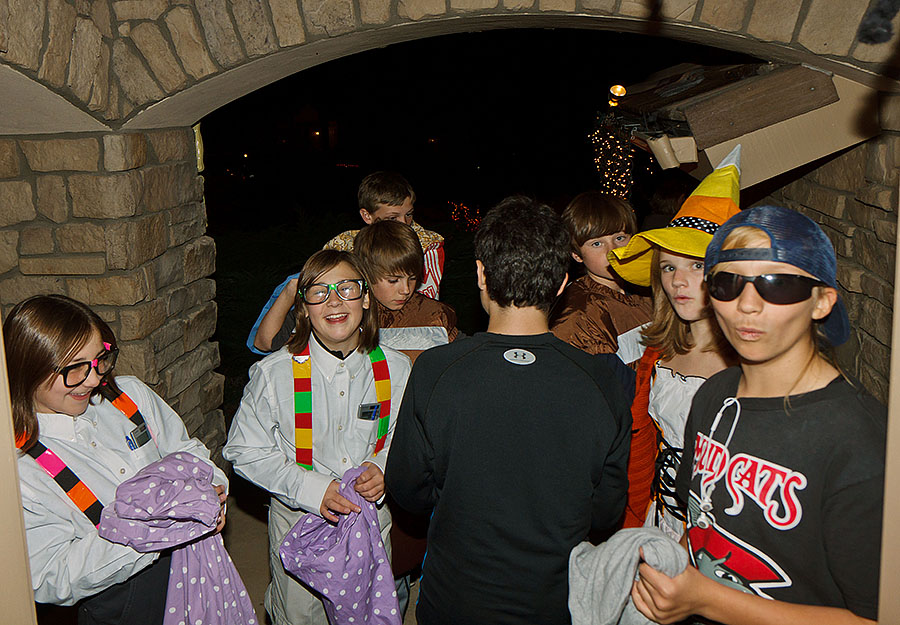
pixel 796 491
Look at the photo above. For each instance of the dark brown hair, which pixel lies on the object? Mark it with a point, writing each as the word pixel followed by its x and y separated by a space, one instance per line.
pixel 42 335
pixel 390 248
pixel 593 214
pixel 316 265
pixel 384 187
pixel 522 245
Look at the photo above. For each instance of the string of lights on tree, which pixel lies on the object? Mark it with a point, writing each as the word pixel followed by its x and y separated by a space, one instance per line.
pixel 613 156
pixel 467 218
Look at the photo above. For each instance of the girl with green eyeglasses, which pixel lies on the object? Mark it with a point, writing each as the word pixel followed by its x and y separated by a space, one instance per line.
pixel 324 403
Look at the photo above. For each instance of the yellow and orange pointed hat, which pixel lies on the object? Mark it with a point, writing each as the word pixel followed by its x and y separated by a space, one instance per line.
pixel 710 205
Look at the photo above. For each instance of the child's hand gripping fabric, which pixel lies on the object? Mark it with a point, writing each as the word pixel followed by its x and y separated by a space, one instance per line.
pixel 371 483
pixel 346 563
pixel 333 504
pixel 665 599
pixel 601 578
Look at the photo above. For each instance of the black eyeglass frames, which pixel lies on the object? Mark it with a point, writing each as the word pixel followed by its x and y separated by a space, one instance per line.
pixel 78 372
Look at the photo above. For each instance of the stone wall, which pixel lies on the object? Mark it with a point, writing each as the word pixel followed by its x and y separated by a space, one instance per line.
pixel 853 196
pixel 118 221
pixel 112 59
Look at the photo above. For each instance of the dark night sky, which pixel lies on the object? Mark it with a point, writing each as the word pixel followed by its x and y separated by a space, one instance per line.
pixel 467 118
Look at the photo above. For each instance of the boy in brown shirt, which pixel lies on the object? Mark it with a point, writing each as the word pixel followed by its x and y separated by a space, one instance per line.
pixel 596 313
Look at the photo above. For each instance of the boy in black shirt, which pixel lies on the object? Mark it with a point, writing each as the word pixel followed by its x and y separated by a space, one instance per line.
pixel 783 467
pixel 514 440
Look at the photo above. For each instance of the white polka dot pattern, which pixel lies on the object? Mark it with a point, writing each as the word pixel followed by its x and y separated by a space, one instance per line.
pixel 696 223
pixel 347 563
pixel 147 516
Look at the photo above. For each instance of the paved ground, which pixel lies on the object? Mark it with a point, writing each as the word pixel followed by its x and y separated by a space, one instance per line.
pixel 246 540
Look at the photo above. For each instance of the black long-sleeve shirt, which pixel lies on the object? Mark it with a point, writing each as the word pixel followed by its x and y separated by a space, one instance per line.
pixel 519 445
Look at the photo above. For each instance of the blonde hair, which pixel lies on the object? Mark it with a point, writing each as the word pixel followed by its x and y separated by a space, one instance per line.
pixel 752 237
pixel 318 264
pixel 667 332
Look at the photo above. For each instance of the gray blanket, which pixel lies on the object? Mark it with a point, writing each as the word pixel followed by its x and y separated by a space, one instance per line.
pixel 600 578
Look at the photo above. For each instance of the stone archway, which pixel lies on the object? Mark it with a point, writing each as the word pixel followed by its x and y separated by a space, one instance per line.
pixel 99 192
pixel 140 64
pixel 98 180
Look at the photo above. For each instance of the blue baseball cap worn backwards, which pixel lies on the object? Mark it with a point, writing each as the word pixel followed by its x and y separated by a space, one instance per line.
pixel 796 240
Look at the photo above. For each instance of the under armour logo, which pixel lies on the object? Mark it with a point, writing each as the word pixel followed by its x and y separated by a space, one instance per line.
pixel 519 356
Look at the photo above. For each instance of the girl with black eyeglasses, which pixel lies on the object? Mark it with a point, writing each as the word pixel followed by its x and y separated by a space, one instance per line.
pixel 783 467
pixel 81 432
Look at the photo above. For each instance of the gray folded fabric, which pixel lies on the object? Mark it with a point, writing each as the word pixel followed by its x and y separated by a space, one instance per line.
pixel 600 578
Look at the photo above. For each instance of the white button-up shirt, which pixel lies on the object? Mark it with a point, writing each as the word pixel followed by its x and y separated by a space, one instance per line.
pixel 261 440
pixel 69 560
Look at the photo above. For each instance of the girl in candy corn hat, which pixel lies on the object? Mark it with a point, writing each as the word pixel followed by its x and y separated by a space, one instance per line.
pixel 683 344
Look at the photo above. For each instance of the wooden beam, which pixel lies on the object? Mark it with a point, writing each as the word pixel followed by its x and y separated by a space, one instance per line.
pixel 758 102
pixel 15 577
pixel 786 145
pixel 665 90
pixel 888 597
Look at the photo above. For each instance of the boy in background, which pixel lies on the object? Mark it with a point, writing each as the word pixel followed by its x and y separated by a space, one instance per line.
pixel 596 313
pixel 513 474
pixel 387 196
pixel 383 196
pixel 409 321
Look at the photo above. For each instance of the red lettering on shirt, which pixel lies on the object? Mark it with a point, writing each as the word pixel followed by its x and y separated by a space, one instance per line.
pixel 710 459
pixel 771 486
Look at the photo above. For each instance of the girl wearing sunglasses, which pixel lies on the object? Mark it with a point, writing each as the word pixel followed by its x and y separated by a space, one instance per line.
pixel 683 343
pixel 81 432
pixel 324 403
pixel 784 460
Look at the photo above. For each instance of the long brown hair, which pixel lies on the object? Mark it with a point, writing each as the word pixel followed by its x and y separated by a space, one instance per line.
pixel 316 265
pixel 669 333
pixel 42 335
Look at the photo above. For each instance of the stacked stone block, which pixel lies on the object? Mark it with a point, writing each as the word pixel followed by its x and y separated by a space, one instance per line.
pixel 118 222
pixel 114 58
pixel 117 219
pixel 853 196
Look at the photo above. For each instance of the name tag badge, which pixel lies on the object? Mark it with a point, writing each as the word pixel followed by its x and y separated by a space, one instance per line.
pixel 138 437
pixel 369 412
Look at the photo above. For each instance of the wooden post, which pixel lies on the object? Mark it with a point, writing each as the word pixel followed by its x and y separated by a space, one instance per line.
pixel 889 598
pixel 15 575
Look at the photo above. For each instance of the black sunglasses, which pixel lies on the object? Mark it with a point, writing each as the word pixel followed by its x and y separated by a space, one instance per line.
pixel 775 288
